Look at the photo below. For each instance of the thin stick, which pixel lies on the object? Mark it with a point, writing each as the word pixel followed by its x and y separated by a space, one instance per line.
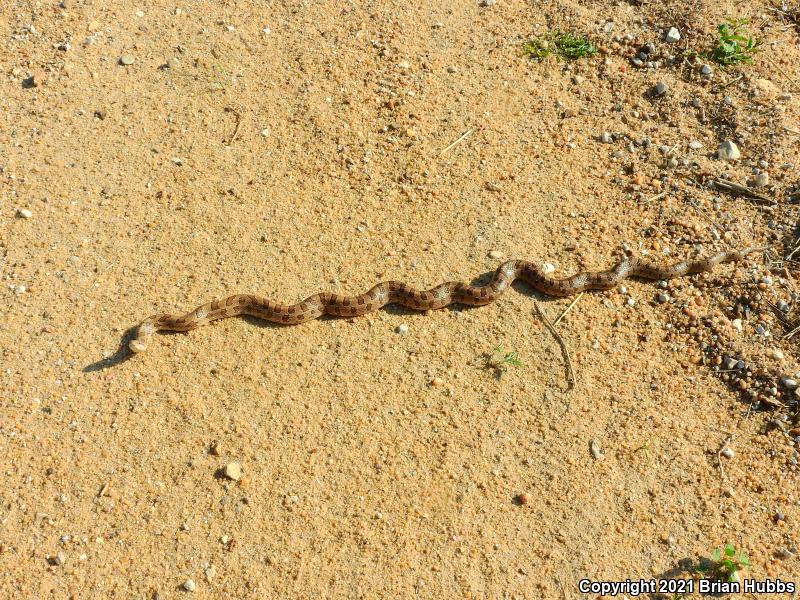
pixel 719 455
pixel 656 197
pixel 238 124
pixel 564 349
pixel 569 308
pixel 460 139
pixel 783 74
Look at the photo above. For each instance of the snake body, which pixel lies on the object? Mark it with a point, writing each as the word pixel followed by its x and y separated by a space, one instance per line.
pixel 396 292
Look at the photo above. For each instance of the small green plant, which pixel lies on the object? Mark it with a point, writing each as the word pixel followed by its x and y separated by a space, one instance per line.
pixel 645 450
pixel 563 45
pixel 725 564
pixel 499 360
pixel 733 46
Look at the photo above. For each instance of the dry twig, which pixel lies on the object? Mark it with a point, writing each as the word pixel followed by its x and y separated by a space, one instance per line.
pixel 463 136
pixel 564 349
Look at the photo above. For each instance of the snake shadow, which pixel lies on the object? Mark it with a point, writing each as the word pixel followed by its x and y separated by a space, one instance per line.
pixel 123 352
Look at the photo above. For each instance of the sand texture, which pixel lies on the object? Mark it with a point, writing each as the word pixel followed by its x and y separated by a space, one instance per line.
pixel 154 157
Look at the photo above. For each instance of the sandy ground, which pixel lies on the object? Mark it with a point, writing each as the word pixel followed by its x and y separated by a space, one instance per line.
pixel 285 148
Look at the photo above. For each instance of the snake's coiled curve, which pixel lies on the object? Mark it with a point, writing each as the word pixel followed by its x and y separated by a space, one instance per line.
pixel 451 292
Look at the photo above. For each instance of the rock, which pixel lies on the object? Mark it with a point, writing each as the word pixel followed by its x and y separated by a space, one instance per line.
pixel 706 70
pixel 548 268
pixel 127 59
pixel 660 89
pixel 401 329
pixel 24 213
pixel 577 79
pixel 594 448
pixel 727 452
pixel 216 448
pixel 728 150
pixel 233 471
pixel 737 325
pixel 729 363
pixel 173 62
pixel 673 35
pixel 521 499
pixel 488 2
pixel 189 585
pixel 495 254
pixel 775 353
pixel 606 138
pixel 210 573
pixel 695 145
pixel 59 559
pixel 762 179
pixel 404 64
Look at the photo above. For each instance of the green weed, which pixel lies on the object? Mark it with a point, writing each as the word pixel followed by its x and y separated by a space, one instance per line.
pixel 561 44
pixel 733 46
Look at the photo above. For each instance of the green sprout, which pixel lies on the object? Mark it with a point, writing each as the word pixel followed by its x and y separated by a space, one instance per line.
pixel 733 46
pixel 499 360
pixel 563 45
pixel 724 564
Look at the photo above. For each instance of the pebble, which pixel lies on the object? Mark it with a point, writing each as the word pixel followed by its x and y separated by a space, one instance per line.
pixel 706 70
pixel 594 448
pixel 24 213
pixel 673 35
pixel 737 325
pixel 728 151
pixel 126 59
pixel 495 254
pixel 173 62
pixel 662 297
pixel 660 88
pixel 728 452
pixel 403 64
pixel 265 132
pixel 775 353
pixel 606 138
pixel 210 573
pixel 216 448
pixel 548 268
pixel 189 585
pixel 488 2
pixel 233 470
pixel 401 329
pixel 437 382
pixel 789 383
pixel 762 179
pixel 452 69
pixel 631 302
pixel 60 558
pixel 522 499
pixel 730 363
pixel 695 145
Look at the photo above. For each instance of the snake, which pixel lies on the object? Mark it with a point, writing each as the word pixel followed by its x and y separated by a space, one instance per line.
pixel 444 294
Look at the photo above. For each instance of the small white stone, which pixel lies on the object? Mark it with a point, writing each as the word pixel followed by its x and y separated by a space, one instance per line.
pixel 210 572
pixel 401 329
pixel 660 88
pixel 548 268
pixel 606 138
pixel 775 353
pixel 737 325
pixel 789 383
pixel 728 150
pixel 495 254
pixel 189 585
pixel 24 213
pixel 233 471
pixel 695 145
pixel 139 13
pixel 673 35
pixel 60 558
pixel 762 179
pixel 266 31
pixel 706 70
pixel 728 452
pixel 403 64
